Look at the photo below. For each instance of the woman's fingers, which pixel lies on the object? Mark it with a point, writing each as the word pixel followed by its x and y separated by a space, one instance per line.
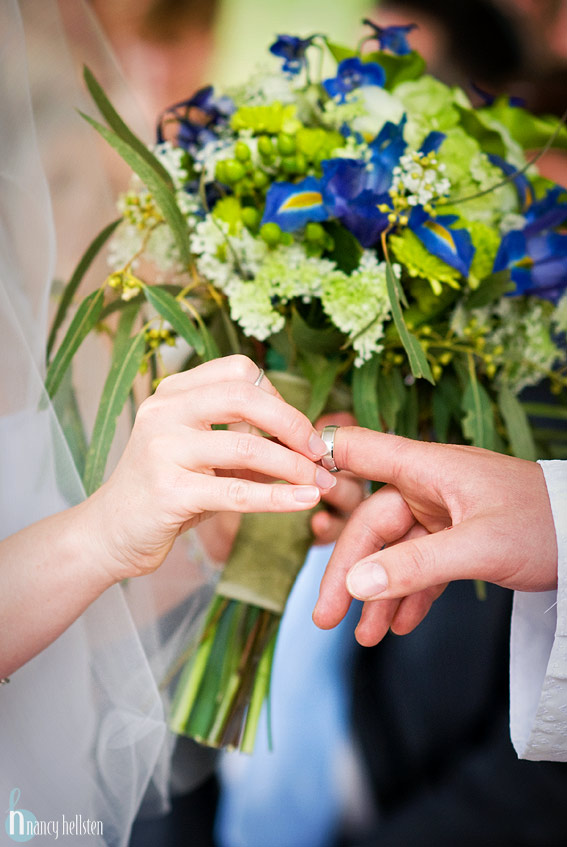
pixel 226 369
pixel 227 450
pixel 204 493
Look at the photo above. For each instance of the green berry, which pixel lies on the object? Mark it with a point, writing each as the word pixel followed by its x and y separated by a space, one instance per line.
pixel 289 165
pixel 271 234
pixel 286 144
pixel 260 179
pixel 234 171
pixel 265 146
pixel 287 239
pixel 220 171
pixel 241 151
pixel 250 217
pixel 314 233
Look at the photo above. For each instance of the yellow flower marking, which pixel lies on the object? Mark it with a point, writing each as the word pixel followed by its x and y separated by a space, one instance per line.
pixel 302 201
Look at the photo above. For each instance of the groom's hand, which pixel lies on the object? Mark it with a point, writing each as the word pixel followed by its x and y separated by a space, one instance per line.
pixel 395 552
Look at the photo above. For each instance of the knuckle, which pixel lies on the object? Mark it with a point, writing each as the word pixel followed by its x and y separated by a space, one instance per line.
pixel 238 395
pixel 238 492
pixel 242 367
pixel 246 446
pixel 418 563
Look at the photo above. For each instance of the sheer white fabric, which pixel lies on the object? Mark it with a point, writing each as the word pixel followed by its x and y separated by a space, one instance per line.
pixel 82 729
pixel 538 658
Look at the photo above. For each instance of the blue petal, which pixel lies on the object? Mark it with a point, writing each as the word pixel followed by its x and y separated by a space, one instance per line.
pixel 433 142
pixel 292 205
pixel 352 73
pixel 392 38
pixel 386 150
pixel 523 186
pixel 512 249
pixel 292 50
pixel 453 246
pixel 345 194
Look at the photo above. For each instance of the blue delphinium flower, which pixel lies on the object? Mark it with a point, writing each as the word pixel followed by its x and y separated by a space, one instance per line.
pixel 536 255
pixel 291 49
pixel 351 74
pixel 523 185
pixel 392 38
pixel 386 150
pixel 192 135
pixel 347 197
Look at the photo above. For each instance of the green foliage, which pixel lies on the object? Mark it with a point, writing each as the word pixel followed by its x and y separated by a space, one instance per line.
pixel 478 422
pixel 419 262
pixel 398 68
pixel 416 356
pixel 364 394
pixel 517 425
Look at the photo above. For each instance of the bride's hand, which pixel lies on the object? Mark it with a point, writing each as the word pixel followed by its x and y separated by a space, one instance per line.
pixel 176 470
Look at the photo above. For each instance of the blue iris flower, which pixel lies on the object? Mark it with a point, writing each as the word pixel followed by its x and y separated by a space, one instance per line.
pixel 192 135
pixel 453 246
pixel 536 255
pixel 351 74
pixel 347 197
pixel 386 150
pixel 292 205
pixel 291 49
pixel 392 38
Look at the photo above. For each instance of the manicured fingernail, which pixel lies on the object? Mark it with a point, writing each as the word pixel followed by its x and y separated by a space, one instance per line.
pixel 306 493
pixel 367 580
pixel 317 446
pixel 324 479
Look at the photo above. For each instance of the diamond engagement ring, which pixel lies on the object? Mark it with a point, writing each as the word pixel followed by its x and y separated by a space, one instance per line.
pixel 328 460
pixel 260 377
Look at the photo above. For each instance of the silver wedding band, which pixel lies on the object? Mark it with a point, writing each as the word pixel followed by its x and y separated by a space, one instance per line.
pixel 328 460
pixel 260 377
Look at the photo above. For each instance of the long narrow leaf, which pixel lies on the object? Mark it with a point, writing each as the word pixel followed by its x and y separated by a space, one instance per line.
pixel 517 424
pixel 85 319
pixel 417 359
pixel 364 394
pixel 70 289
pixel 169 309
pixel 163 195
pixel 321 388
pixel 121 129
pixel 126 359
pixel 478 423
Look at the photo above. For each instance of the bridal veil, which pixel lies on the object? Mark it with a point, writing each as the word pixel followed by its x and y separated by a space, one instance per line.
pixel 82 728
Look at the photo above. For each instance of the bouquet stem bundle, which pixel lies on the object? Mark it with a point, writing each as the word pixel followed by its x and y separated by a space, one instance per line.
pixel 223 686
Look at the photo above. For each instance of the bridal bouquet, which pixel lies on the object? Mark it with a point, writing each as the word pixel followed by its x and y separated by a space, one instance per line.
pixel 372 240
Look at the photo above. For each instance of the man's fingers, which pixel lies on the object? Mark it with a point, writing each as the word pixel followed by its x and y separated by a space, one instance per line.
pixel 381 519
pixel 375 621
pixel 462 552
pixel 414 608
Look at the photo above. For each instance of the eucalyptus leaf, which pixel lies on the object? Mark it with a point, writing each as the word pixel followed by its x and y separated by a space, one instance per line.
pixel 305 337
pixel 84 321
pixel 170 309
pixel 517 425
pixel 478 422
pixel 365 395
pixel 446 406
pixel 408 417
pixel 126 360
pixel 346 251
pixel 163 195
pixel 69 419
pixel 70 289
pixel 416 356
pixel 391 396
pixel 121 129
pixel 322 378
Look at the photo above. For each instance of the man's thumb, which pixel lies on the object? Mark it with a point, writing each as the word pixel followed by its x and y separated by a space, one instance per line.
pixel 419 563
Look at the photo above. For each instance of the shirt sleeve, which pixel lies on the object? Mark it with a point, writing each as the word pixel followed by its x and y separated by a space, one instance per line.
pixel 538 648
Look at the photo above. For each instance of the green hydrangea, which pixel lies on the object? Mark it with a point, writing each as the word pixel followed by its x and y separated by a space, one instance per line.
pixel 486 241
pixel 359 305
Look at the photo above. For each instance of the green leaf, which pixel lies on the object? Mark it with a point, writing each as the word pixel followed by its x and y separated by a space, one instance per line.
pixel 69 417
pixel 126 360
pixel 365 394
pixel 445 406
pixel 408 417
pixel 338 52
pixel 169 309
pixel 546 410
pixel 85 319
pixel 531 132
pixel 398 68
pixel 121 129
pixel 391 396
pixel 478 423
pixel 306 337
pixel 490 289
pixel 163 195
pixel 346 251
pixel 76 279
pixel 517 424
pixel 416 356
pixel 321 373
